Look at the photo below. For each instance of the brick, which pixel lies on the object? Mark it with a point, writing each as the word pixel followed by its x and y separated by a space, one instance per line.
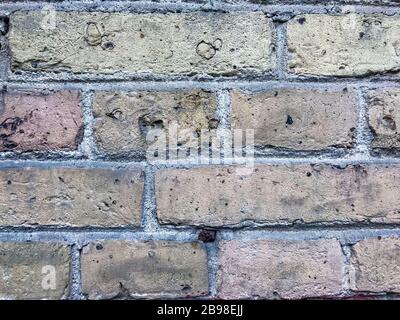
pixel 272 194
pixel 279 269
pixel 384 117
pixel 31 121
pixel 153 268
pixel 343 45
pixel 160 43
pixel 32 271
pixel 70 197
pixel 122 120
pixel 293 118
pixel 375 265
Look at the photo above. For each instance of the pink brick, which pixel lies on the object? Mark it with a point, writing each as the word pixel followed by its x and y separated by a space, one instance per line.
pixel 279 269
pixel 32 121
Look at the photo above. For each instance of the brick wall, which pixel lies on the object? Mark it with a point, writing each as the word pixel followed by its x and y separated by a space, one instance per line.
pixel 88 210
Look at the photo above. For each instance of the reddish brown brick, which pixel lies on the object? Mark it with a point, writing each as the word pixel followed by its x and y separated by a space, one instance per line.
pixel 40 121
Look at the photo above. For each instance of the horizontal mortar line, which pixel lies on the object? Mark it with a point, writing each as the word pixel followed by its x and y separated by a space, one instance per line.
pixel 82 236
pixel 95 164
pixel 150 85
pixel 71 164
pixel 346 235
pixel 147 6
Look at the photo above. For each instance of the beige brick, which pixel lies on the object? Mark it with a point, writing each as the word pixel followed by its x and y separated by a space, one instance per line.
pixel 279 269
pixel 293 118
pixel 31 121
pixel 160 43
pixel 375 265
pixel 122 120
pixel 31 271
pixel 220 195
pixel 384 117
pixel 343 45
pixel 70 197
pixel 153 268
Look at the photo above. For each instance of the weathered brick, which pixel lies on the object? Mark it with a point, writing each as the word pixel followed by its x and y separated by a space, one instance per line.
pixel 70 197
pixel 40 121
pixel 279 269
pixel 161 268
pixel 220 196
pixel 375 265
pixel 170 43
pixel 384 117
pixel 34 271
pixel 343 45
pixel 293 118
pixel 122 120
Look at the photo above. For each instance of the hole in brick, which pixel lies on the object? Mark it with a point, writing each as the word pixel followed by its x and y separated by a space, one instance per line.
pixel 115 114
pixel 213 123
pixel 301 20
pixel 186 287
pixel 4 25
pixel 289 120
pixel 389 122
pixel 146 125
pixel 207 235
pixel 108 45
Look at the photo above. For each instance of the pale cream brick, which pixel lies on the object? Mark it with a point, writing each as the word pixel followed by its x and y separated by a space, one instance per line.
pixel 343 45
pixel 159 43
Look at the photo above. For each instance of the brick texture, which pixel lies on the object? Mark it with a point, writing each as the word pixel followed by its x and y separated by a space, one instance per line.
pixel 376 265
pixel 40 121
pixel 384 118
pixel 156 268
pixel 183 43
pixel 124 121
pixel 343 45
pixel 70 197
pixel 95 183
pixel 220 196
pixel 32 271
pixel 279 269
pixel 290 118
